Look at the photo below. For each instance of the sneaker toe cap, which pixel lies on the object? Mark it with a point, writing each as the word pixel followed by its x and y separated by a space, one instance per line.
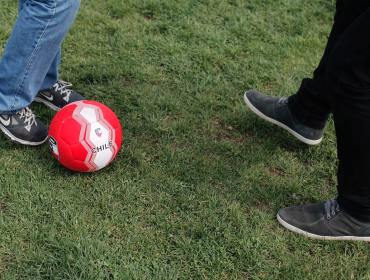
pixel 256 96
pixel 306 214
pixel 261 103
pixel 76 97
pixel 41 133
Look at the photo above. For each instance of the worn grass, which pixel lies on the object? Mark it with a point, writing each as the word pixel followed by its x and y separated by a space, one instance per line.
pixel 195 190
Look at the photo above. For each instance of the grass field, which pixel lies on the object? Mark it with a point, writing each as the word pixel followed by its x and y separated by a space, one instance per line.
pixel 194 192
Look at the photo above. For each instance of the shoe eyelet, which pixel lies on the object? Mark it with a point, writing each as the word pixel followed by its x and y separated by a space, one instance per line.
pixel 328 217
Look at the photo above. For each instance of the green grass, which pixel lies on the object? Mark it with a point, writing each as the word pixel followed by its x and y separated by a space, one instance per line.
pixel 194 192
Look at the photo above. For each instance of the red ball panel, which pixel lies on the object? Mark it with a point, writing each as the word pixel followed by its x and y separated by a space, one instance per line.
pixel 71 131
pixel 66 112
pixel 79 152
pixel 118 139
pixel 55 127
pixel 110 117
pixel 65 152
pixel 92 103
pixel 77 165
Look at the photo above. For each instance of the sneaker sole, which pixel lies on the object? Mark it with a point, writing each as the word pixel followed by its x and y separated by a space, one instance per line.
pixel 12 138
pixel 47 103
pixel 260 114
pixel 315 236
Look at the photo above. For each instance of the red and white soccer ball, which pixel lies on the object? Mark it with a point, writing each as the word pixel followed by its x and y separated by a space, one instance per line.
pixel 85 136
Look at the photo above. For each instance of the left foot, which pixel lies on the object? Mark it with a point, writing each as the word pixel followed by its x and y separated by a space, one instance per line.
pixel 324 220
pixel 58 96
pixel 276 111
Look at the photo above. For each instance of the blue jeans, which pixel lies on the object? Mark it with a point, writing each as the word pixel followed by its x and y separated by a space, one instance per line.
pixel 31 57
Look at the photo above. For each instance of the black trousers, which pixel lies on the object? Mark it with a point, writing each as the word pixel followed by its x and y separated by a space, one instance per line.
pixel 341 86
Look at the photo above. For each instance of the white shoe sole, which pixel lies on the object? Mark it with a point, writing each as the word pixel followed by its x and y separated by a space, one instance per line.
pixel 20 141
pixel 260 114
pixel 311 235
pixel 47 103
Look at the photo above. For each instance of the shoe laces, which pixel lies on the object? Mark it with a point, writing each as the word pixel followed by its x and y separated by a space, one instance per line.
pixel 63 88
pixel 28 116
pixel 283 101
pixel 331 207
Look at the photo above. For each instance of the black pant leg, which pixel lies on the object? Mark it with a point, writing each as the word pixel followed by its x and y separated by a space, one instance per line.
pixel 311 104
pixel 348 80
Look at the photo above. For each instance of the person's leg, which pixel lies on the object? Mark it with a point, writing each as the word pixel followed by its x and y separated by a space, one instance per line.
pixel 31 49
pixel 21 5
pixel 34 43
pixel 55 93
pixel 348 80
pixel 311 104
pixel 52 75
pixel 305 114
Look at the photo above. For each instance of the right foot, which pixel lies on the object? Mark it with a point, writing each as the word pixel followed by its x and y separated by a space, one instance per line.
pixel 23 128
pixel 275 110
pixel 326 220
pixel 58 96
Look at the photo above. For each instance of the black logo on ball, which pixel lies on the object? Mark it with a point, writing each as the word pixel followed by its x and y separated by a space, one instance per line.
pixel 54 146
pixel 102 147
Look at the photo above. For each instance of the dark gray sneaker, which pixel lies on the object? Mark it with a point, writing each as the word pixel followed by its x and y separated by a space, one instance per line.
pixel 324 221
pixel 58 96
pixel 23 128
pixel 276 110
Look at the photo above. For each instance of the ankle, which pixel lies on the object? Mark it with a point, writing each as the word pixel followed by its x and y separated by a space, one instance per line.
pixel 317 123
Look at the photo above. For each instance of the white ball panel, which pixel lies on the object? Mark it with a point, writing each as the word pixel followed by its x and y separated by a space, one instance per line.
pixel 103 152
pixel 89 114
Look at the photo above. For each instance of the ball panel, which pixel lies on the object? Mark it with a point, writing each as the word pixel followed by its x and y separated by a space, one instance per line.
pixel 118 137
pixel 55 127
pixel 66 112
pixel 107 114
pixel 94 103
pixel 71 132
pixel 89 114
pixel 100 137
pixel 83 125
pixel 117 142
pixel 110 117
pixel 79 152
pixel 77 165
pixel 65 153
pixel 91 164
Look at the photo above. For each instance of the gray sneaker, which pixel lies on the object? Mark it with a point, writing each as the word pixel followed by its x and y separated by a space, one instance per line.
pixel 23 128
pixel 324 221
pixel 275 110
pixel 58 96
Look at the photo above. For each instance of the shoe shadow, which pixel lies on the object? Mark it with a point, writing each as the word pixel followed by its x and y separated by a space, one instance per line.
pixel 271 135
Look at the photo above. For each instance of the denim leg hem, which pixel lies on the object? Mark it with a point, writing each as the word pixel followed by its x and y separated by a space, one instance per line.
pixel 10 112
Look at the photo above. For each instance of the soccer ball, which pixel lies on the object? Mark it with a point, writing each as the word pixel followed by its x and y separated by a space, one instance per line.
pixel 85 136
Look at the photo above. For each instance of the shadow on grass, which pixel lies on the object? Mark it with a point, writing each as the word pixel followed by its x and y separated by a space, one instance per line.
pixel 272 136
